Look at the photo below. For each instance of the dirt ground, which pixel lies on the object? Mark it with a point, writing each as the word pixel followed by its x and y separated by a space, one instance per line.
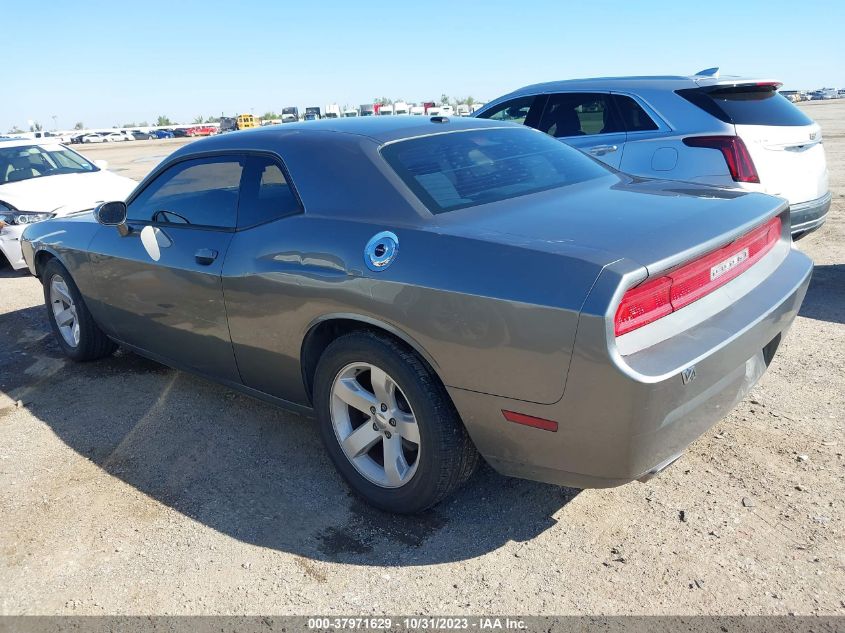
pixel 130 488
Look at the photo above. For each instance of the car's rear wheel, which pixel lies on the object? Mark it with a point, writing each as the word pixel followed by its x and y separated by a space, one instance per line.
pixel 389 425
pixel 76 332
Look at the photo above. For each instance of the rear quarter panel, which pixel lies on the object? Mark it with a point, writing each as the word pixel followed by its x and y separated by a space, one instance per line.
pixel 488 317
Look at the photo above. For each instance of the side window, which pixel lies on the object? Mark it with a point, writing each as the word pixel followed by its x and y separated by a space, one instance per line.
pixel 516 110
pixel 579 114
pixel 265 193
pixel 202 191
pixel 633 116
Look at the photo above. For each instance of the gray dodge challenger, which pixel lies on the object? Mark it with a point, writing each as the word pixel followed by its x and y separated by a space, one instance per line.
pixel 437 290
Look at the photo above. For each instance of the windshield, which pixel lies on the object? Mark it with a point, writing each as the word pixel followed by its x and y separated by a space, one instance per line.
pixel 33 161
pixel 463 169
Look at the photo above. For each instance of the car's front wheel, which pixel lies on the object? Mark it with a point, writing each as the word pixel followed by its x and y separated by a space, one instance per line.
pixel 76 332
pixel 388 424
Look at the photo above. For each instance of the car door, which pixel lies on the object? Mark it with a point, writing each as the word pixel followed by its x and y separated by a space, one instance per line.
pixel 588 121
pixel 160 283
pixel 264 276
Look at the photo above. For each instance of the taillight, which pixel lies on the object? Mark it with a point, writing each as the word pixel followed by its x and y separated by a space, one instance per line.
pixel 644 304
pixel 734 151
pixel 654 299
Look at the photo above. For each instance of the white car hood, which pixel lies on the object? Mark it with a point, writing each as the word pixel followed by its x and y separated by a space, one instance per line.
pixel 66 193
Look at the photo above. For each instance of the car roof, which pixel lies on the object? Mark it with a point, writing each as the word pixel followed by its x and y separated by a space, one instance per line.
pixel 641 82
pixel 24 142
pixel 381 129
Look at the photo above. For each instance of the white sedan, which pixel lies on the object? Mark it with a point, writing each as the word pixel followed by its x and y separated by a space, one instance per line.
pixel 115 137
pixel 40 180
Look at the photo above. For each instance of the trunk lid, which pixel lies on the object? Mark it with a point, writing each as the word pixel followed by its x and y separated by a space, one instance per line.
pixel 657 224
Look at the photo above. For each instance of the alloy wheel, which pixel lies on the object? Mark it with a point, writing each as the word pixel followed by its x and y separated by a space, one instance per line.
pixel 375 425
pixel 64 311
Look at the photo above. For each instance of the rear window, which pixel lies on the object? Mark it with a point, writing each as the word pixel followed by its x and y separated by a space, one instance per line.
pixel 462 169
pixel 747 105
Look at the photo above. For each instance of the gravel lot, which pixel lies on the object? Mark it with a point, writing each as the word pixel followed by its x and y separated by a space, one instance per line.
pixel 130 488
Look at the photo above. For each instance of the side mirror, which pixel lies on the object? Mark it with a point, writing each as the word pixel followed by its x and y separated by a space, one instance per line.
pixel 111 213
pixel 102 164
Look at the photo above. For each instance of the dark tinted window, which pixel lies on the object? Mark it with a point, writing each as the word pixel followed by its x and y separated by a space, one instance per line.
pixel 747 105
pixel 515 110
pixel 462 169
pixel 633 116
pixel 265 193
pixel 577 114
pixel 202 191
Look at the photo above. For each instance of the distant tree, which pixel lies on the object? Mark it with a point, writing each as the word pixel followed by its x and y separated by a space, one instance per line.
pixel 35 127
pixel 163 120
pixel 469 101
pixel 143 124
pixel 444 99
pixel 15 130
pixel 383 100
pixel 198 119
pixel 133 124
pixel 270 116
pixel 79 125
pixel 212 119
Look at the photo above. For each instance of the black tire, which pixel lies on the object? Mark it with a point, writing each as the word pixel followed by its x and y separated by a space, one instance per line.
pixel 93 343
pixel 447 456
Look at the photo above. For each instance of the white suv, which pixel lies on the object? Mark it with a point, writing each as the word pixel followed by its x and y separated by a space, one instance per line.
pixel 725 131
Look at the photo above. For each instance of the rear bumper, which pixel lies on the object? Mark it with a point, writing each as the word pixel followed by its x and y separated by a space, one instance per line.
pixel 620 420
pixel 808 216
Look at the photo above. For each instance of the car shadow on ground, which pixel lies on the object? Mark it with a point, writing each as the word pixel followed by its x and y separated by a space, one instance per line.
pixel 245 468
pixel 825 299
pixel 7 272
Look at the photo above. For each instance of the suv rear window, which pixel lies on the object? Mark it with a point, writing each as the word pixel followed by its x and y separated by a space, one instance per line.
pixel 455 170
pixel 747 105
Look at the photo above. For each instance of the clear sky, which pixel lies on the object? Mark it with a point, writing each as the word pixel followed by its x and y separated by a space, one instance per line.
pixel 110 62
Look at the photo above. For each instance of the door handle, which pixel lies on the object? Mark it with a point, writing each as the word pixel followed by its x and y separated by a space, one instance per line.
pixel 205 256
pixel 601 150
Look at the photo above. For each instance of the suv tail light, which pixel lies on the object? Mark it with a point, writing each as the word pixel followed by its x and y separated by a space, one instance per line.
pixel 654 299
pixel 734 151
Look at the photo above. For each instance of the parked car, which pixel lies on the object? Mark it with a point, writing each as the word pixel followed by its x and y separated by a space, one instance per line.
pixel 162 133
pixel 93 137
pixel 43 179
pixel 180 132
pixel 463 287
pixel 727 131
pixel 115 137
pixel 201 130
pixel 138 135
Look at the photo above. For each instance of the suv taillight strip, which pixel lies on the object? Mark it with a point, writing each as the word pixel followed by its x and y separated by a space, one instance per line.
pixel 657 298
pixel 733 150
